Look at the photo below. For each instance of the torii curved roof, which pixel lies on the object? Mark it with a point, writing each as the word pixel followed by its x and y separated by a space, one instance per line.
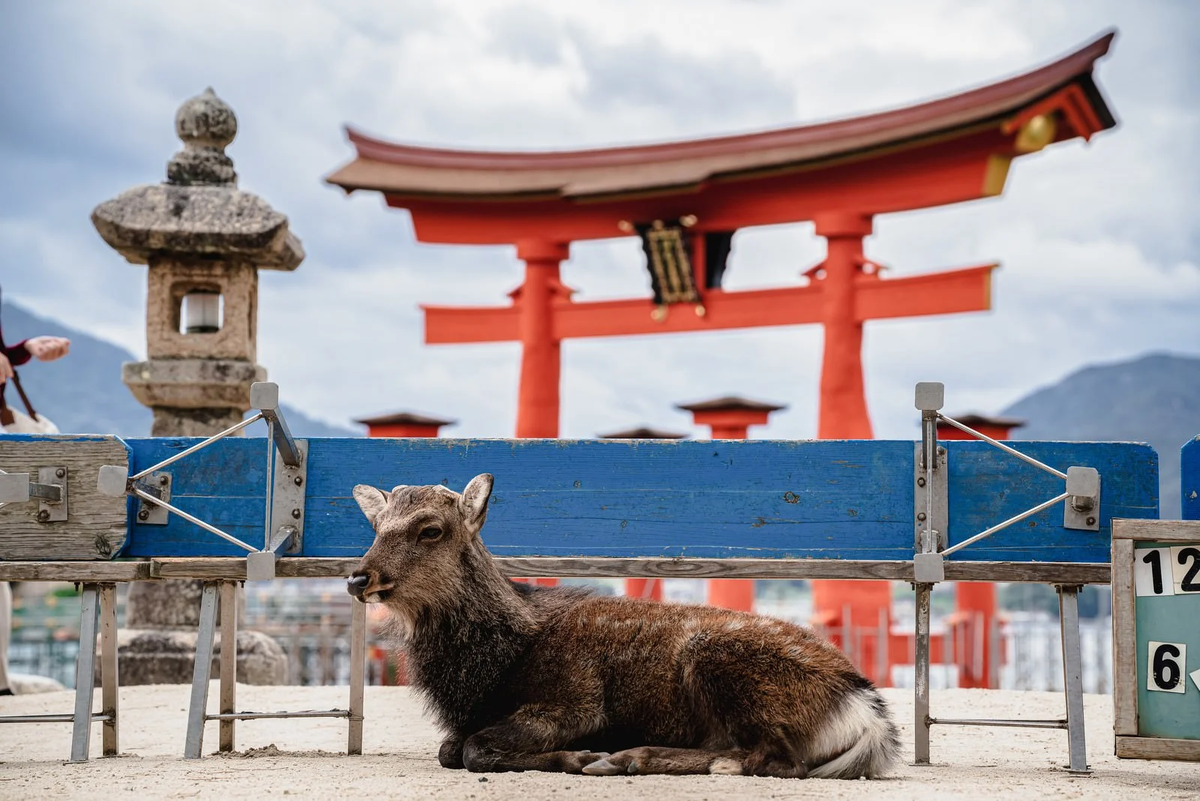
pixel 407 171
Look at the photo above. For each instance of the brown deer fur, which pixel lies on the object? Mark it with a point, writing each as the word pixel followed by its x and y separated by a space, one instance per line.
pixel 558 679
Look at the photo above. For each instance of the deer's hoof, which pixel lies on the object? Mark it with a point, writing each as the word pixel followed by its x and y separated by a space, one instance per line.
pixel 603 767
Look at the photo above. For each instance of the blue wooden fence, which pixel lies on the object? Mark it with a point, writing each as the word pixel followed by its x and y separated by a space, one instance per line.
pixel 777 499
pixel 1189 479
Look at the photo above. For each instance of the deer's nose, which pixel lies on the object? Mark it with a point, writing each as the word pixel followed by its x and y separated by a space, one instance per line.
pixel 357 585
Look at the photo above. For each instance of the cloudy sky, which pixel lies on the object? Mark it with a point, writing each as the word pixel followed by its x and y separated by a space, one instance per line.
pixel 1098 243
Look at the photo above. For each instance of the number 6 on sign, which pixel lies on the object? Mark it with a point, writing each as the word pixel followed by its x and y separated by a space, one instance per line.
pixel 1166 661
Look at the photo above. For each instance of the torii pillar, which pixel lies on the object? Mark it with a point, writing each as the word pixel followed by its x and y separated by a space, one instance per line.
pixel 541 348
pixel 843 409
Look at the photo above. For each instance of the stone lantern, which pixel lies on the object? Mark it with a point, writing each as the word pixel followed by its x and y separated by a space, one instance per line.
pixel 204 241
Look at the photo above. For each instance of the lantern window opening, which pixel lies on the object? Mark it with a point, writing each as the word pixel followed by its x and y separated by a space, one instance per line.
pixel 203 311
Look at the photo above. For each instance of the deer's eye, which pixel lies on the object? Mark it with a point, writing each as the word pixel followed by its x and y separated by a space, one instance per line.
pixel 430 534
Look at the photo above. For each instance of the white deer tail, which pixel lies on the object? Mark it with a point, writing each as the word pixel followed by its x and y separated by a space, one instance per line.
pixel 861 735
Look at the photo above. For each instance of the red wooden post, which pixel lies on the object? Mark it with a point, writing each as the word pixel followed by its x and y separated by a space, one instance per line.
pixel 537 399
pixel 843 407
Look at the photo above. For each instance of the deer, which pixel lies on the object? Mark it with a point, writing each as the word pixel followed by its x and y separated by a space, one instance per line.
pixel 563 679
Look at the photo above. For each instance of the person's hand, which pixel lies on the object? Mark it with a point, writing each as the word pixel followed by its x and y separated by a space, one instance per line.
pixel 47 349
pixel 6 371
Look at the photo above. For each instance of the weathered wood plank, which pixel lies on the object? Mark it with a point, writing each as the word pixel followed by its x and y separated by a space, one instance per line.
pixel 1030 572
pixel 1158 530
pixel 235 569
pixel 1124 641
pixel 97 526
pixel 74 571
pixel 838 500
pixel 610 567
pixel 1157 748
pixel 622 567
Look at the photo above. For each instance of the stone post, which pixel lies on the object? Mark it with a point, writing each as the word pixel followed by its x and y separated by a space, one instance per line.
pixel 203 240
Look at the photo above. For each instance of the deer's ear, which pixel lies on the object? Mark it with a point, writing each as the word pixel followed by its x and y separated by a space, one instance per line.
pixel 474 501
pixel 371 500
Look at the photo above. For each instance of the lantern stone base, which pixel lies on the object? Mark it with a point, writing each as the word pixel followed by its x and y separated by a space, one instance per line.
pixel 159 644
pixel 193 397
pixel 169 657
pixel 210 384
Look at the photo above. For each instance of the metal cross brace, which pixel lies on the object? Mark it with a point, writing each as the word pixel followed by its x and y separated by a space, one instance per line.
pixel 1082 495
pixel 285 483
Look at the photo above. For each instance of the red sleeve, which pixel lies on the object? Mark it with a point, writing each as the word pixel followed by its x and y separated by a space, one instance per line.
pixel 17 354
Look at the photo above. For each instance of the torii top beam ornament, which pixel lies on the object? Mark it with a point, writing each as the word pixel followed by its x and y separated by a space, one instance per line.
pixel 687 198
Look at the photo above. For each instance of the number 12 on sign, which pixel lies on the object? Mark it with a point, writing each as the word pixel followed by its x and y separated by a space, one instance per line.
pixel 1165 663
pixel 1167 571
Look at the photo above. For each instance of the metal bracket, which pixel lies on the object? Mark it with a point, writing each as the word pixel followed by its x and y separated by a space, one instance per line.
pixel 941 500
pixel 50 491
pixel 287 501
pixel 114 481
pixel 260 566
pixel 931 501
pixel 287 506
pixel 1081 512
pixel 929 396
pixel 52 509
pixel 928 568
pixel 264 396
pixel 158 485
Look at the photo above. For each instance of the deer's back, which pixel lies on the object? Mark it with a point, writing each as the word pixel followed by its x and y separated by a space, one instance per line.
pixel 671 672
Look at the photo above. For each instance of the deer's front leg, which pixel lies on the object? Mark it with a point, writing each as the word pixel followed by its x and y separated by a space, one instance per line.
pixel 450 755
pixel 532 738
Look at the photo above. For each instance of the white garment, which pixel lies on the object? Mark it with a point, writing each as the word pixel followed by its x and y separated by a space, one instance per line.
pixel 24 424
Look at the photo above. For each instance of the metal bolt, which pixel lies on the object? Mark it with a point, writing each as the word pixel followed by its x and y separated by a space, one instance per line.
pixel 163 481
pixel 941 451
pixel 921 481
pixel 1091 521
pixel 43 516
pixel 61 472
pixel 144 514
pixel 921 516
pixel 296 514
pixel 298 481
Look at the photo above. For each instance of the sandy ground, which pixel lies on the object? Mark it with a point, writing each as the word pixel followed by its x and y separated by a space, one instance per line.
pixel 305 758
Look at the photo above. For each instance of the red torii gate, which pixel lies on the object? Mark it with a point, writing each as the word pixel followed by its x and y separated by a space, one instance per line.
pixel 685 199
pixel 838 174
